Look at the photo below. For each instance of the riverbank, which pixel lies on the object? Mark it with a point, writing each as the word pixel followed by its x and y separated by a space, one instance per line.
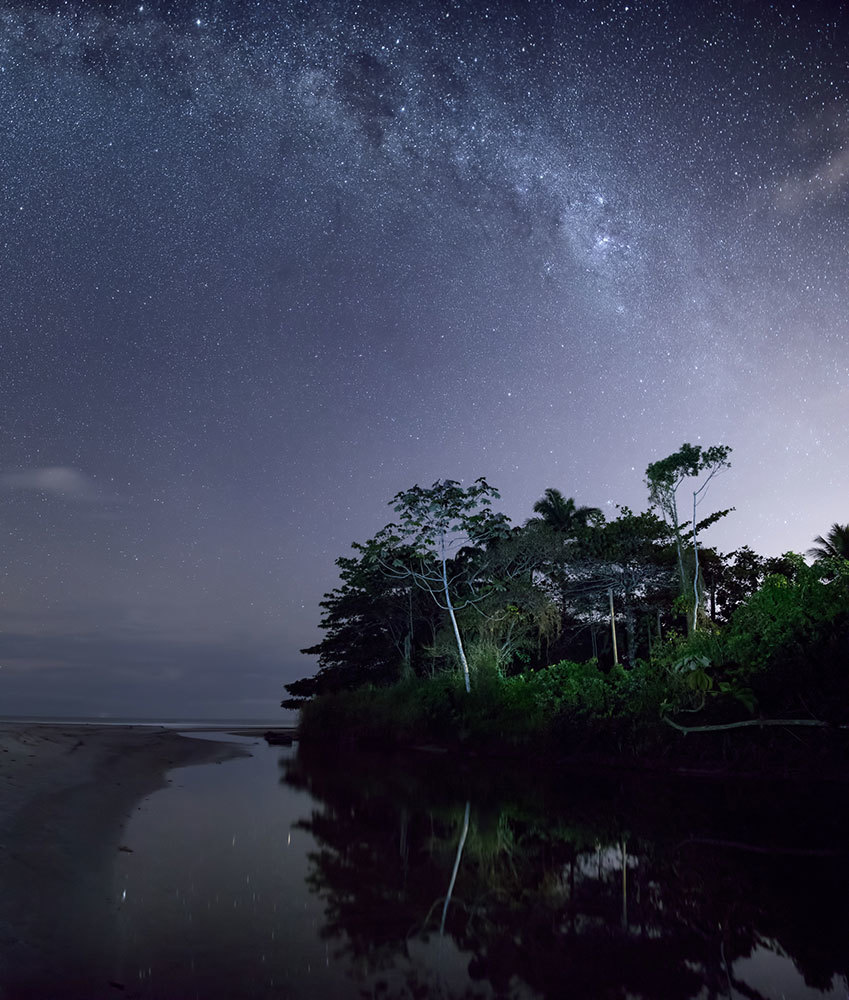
pixel 507 720
pixel 66 792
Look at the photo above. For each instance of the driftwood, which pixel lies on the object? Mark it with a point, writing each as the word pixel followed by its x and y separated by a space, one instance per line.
pixel 747 723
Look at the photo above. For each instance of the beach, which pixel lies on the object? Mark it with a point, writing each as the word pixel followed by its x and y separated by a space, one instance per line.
pixel 66 792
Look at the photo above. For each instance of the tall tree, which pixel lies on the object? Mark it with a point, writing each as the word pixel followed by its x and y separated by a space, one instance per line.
pixel 739 575
pixel 373 626
pixel 664 478
pixel 445 531
pixel 560 522
pixel 635 552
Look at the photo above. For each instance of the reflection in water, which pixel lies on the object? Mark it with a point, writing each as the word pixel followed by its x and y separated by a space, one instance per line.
pixel 305 876
pixel 593 888
pixel 463 834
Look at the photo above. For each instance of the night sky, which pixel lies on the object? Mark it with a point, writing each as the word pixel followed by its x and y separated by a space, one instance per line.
pixel 266 264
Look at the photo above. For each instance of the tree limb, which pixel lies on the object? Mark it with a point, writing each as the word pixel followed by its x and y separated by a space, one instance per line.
pixel 745 724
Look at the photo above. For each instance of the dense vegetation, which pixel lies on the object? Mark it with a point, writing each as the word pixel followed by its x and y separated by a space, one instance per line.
pixel 576 633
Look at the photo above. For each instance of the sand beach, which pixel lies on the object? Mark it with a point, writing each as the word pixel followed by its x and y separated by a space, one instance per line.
pixel 66 792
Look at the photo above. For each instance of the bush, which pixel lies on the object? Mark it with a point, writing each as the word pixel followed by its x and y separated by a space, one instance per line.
pixel 786 616
pixel 424 710
pixel 576 689
pixel 783 650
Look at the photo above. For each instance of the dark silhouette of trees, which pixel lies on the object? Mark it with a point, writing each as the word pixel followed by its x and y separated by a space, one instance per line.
pixel 835 545
pixel 563 516
pixel 375 630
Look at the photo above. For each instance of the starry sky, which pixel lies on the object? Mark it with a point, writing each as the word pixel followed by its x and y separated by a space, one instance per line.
pixel 265 264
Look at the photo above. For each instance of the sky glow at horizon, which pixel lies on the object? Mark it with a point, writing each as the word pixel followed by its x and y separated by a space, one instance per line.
pixel 267 264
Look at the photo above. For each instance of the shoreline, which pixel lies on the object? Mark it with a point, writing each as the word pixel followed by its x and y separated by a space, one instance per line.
pixel 66 792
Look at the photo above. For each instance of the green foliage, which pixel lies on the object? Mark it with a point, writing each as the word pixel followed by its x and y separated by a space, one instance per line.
pixel 693 670
pixel 784 649
pixel 424 711
pixel 663 479
pixel 372 624
pixel 430 519
pixel 666 475
pixel 449 533
pixel 777 643
pixel 785 615
pixel 521 710
pixel 739 692
pixel 578 689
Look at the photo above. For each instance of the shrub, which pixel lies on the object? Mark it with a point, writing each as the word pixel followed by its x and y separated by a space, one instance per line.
pixel 785 615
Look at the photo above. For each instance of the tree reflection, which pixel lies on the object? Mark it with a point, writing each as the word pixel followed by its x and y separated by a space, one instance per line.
pixel 562 886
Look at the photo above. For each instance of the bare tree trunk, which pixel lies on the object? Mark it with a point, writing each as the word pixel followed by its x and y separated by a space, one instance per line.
pixel 456 627
pixel 406 662
pixel 630 624
pixel 679 548
pixel 695 568
pixel 613 626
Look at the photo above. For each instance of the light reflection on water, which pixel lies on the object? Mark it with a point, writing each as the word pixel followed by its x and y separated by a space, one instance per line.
pixel 240 885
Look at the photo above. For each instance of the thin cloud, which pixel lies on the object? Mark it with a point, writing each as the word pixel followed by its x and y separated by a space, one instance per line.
pixel 57 480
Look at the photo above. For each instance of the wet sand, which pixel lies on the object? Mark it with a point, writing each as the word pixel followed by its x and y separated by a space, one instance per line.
pixel 65 794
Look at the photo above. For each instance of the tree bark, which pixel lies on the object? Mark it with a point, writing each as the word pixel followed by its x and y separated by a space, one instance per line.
pixel 456 627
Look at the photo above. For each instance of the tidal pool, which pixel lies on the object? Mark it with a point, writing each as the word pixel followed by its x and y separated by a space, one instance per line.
pixel 298 874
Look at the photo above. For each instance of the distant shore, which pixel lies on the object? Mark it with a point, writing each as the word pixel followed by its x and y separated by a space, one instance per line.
pixel 66 791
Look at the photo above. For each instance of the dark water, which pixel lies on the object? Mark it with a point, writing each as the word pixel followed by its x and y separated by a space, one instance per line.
pixel 292 875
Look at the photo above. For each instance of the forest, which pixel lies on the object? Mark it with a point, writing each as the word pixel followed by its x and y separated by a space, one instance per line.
pixel 576 633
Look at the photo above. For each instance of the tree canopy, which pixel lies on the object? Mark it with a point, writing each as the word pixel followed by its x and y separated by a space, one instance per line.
pixel 711 640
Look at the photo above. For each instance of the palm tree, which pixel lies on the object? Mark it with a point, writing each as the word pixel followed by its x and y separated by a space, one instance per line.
pixel 563 515
pixel 835 545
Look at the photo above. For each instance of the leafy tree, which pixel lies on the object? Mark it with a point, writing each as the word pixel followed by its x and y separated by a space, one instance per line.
pixel 516 617
pixel 445 531
pixel 782 653
pixel 560 522
pixel 835 545
pixel 786 617
pixel 664 478
pixel 634 551
pixel 739 576
pixel 370 629
pixel 712 567
pixel 562 515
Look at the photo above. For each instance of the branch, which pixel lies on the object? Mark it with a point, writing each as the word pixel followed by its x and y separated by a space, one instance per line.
pixel 745 724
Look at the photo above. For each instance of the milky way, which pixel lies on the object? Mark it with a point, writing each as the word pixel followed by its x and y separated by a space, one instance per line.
pixel 266 264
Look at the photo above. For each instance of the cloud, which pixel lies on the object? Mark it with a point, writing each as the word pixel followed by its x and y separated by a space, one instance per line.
pixel 58 480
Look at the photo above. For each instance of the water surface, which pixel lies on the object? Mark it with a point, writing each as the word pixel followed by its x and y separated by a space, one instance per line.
pixel 294 874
